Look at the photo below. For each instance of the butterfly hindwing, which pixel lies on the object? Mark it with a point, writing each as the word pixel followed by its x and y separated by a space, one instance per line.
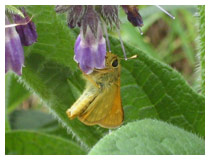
pixel 115 116
pixel 105 110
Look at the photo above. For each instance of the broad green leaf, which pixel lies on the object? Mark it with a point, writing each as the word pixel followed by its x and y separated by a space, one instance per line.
pixel 148 87
pixel 15 92
pixel 55 41
pixel 202 46
pixel 38 121
pixel 35 143
pixel 56 129
pixel 50 67
pixel 149 137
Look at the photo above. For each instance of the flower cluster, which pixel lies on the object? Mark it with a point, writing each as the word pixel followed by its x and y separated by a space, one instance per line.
pixel 19 32
pixel 90 46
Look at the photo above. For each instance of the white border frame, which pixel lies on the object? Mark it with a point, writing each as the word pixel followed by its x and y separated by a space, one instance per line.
pixel 97 2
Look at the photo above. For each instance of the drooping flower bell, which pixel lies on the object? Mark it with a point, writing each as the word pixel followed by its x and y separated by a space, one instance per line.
pixel 14 58
pixel 18 31
pixel 90 46
pixel 26 32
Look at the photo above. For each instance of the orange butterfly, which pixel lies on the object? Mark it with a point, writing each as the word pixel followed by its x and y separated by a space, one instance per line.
pixel 100 102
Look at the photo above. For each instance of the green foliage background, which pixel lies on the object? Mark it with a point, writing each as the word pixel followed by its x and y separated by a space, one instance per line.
pixel 150 89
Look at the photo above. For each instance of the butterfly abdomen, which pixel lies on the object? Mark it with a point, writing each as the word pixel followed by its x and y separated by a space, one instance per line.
pixel 87 97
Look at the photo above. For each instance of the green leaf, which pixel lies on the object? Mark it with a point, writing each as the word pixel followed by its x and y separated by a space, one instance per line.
pixel 55 41
pixel 35 143
pixel 38 121
pixel 7 124
pixel 50 70
pixel 201 10
pixel 149 88
pixel 149 137
pixel 15 92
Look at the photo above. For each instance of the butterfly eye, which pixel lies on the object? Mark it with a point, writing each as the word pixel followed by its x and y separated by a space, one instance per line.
pixel 115 63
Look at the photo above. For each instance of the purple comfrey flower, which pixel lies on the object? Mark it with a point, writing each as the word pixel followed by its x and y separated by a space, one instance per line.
pixel 26 32
pixel 13 50
pixel 23 32
pixel 90 50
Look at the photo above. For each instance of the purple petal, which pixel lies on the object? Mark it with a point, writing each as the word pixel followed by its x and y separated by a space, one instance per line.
pixel 77 44
pixel 90 51
pixel 89 39
pixel 78 50
pixel 13 51
pixel 135 20
pixel 86 62
pixel 27 32
pixel 100 56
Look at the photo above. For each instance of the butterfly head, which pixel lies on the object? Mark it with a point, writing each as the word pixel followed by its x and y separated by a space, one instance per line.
pixel 112 61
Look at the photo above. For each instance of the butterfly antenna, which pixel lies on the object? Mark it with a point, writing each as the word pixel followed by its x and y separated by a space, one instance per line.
pixel 166 12
pixel 122 45
pixel 132 57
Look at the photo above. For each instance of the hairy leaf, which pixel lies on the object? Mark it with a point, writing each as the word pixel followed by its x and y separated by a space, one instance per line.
pixel 35 143
pixel 149 88
pixel 38 121
pixel 149 137
pixel 49 68
pixel 152 89
pixel 15 92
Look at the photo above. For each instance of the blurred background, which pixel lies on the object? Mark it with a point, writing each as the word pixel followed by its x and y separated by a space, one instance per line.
pixel 173 42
